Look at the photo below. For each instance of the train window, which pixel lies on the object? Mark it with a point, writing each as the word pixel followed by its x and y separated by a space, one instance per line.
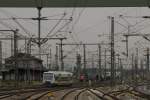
pixel 48 76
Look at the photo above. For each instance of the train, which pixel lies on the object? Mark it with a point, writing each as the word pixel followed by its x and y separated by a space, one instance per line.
pixel 95 76
pixel 59 78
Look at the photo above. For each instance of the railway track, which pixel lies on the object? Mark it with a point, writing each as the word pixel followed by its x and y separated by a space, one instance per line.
pixel 39 95
pixel 131 92
pixel 18 93
pixel 18 90
pixel 74 93
pixel 28 94
pixel 77 96
pixel 102 96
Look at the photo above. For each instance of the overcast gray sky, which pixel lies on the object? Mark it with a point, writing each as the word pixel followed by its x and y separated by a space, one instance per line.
pixel 90 25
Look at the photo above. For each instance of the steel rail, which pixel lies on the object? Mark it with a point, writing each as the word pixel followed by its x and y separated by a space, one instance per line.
pixel 45 93
pixel 68 93
pixel 100 97
pixel 77 96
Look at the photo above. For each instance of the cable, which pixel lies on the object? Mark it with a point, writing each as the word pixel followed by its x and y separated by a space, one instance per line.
pixel 76 21
pixel 11 16
pixel 7 25
pixel 60 29
pixel 70 52
pixel 23 28
pixel 56 25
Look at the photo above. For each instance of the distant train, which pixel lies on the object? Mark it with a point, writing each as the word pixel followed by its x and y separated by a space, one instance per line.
pixel 57 78
pixel 97 77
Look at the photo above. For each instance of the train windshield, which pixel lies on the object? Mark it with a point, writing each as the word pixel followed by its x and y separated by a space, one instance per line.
pixel 48 76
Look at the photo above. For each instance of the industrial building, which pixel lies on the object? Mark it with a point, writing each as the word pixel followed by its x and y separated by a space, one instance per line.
pixel 28 68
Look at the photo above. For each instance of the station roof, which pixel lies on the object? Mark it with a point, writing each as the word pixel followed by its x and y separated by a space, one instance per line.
pixel 75 3
pixel 23 57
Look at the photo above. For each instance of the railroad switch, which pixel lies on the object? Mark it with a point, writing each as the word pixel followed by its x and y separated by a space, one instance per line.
pixel 50 96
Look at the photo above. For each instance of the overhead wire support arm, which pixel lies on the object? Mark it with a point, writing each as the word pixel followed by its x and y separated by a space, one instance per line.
pixel 9 30
pixel 136 35
pixel 143 35
pixel 84 44
pixel 28 38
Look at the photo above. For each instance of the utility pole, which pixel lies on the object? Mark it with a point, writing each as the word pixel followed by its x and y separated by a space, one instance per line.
pixel 112 53
pixel 142 69
pixel 56 59
pixel 118 67
pixel 15 53
pixel 39 4
pixel 84 59
pixel 39 29
pixel 121 70
pixel 99 62
pixel 136 66
pixel 28 52
pixel 105 65
pixel 12 47
pixel 61 55
pixel 78 65
pixel 127 44
pixel 147 64
pixel 133 74
pixel 29 46
pixel 92 62
pixel 50 61
pixel 127 40
pixel 25 42
pixel 1 55
pixel 47 56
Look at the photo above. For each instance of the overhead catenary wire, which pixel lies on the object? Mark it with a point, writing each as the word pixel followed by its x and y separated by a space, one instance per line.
pixel 7 25
pixel 60 29
pixel 23 28
pixel 78 18
pixel 55 25
pixel 73 25
pixel 12 17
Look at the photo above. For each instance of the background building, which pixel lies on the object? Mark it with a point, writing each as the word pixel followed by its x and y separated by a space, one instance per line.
pixel 28 68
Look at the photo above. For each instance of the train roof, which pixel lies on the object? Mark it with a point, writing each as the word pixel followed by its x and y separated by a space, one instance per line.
pixel 59 72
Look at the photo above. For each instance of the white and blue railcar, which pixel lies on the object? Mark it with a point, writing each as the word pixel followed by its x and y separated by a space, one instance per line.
pixel 58 78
